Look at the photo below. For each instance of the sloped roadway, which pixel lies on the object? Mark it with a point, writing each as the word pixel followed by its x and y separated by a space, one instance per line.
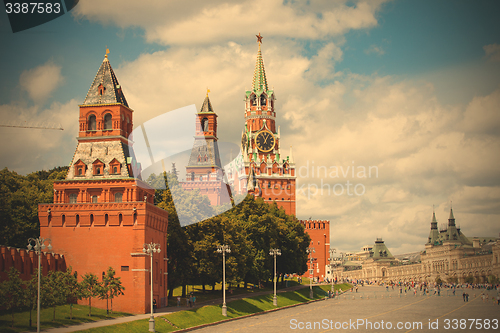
pixel 374 309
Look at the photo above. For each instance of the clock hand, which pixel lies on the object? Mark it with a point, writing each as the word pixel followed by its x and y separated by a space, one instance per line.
pixel 265 138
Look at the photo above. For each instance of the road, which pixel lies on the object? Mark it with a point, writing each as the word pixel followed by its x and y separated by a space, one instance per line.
pixel 373 309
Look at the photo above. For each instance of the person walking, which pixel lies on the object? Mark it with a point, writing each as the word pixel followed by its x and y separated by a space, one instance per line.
pixel 178 301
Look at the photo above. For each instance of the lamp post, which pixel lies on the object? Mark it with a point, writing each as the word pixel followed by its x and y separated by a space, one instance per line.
pixel 310 251
pixel 150 249
pixel 332 251
pixel 223 249
pixel 275 252
pixel 39 246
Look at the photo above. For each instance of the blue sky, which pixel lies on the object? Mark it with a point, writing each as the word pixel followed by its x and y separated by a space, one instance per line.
pixel 412 87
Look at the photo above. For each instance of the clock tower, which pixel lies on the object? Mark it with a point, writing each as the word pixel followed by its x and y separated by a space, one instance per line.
pixel 273 173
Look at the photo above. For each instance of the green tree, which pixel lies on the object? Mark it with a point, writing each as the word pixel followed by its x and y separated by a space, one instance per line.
pixel 73 288
pixel 13 293
pixel 19 199
pixel 54 291
pixel 31 293
pixel 90 287
pixel 111 287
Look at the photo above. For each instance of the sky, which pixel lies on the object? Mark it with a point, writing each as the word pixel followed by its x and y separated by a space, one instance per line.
pixel 404 93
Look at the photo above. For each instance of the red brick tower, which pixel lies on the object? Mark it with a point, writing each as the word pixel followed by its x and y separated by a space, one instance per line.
pixel 204 171
pixel 275 174
pixel 101 215
pixel 319 231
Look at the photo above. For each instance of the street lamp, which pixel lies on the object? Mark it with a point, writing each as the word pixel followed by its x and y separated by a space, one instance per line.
pixel 310 251
pixel 39 246
pixel 275 252
pixel 223 249
pixel 150 249
pixel 332 251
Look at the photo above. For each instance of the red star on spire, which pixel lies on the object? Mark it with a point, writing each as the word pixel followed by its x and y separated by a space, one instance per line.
pixel 259 38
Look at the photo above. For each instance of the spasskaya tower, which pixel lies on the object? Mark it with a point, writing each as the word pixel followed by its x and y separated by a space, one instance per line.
pixel 273 174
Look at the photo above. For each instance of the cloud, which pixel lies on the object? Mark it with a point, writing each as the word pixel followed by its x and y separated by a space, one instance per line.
pixel 374 49
pixel 41 81
pixel 202 22
pixel 492 52
pixel 425 152
pixel 42 148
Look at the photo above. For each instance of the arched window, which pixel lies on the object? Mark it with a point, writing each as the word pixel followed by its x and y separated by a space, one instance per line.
pixel 98 171
pixel 91 219
pixel 120 218
pixel 106 218
pixel 91 124
pixel 263 100
pixel 63 217
pixel 253 99
pixel 204 124
pixel 77 219
pixel 94 199
pixel 118 197
pixel 72 198
pixel 115 169
pixel 107 122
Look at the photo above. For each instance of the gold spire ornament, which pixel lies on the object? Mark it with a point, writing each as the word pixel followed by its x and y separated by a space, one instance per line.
pixel 208 90
pixel 107 52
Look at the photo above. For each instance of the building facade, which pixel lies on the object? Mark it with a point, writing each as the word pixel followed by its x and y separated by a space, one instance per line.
pixel 102 216
pixel 449 255
pixel 319 231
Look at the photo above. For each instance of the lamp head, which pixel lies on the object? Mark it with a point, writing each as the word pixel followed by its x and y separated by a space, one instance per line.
pixel 29 247
pixel 49 247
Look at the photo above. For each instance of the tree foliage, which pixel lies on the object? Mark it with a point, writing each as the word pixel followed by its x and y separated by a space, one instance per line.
pixel 90 287
pixel 19 199
pixel 251 229
pixel 12 293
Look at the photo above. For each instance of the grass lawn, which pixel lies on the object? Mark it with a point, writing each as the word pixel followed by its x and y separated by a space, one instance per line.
pixel 197 290
pixel 212 313
pixel 80 315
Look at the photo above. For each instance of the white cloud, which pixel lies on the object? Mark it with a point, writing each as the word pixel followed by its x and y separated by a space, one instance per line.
pixel 25 148
pixel 41 81
pixel 202 22
pixel 492 52
pixel 425 152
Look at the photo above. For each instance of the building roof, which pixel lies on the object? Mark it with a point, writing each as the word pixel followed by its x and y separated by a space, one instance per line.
pixel 105 88
pixel 207 106
pixel 380 251
pixel 259 83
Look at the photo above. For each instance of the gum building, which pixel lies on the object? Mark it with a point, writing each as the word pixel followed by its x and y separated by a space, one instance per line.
pixel 449 255
pixel 102 216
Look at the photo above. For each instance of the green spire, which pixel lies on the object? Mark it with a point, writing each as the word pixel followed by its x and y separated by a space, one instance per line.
pixel 259 83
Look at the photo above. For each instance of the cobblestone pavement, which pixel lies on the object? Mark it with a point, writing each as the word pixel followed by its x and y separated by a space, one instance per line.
pixel 374 309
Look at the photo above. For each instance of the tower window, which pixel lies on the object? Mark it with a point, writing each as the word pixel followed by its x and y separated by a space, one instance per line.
pixel 262 100
pixel 192 176
pixel 80 171
pixel 204 125
pixel 118 197
pixel 94 199
pixel 107 122
pixel 72 198
pixel 115 169
pixel 91 125
pixel 98 171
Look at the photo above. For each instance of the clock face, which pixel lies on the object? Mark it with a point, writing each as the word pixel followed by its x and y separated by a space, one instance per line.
pixel 265 141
